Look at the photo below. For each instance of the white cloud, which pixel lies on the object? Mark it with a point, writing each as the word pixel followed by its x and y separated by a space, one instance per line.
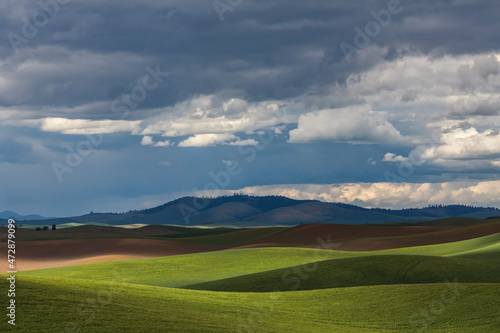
pixel 212 139
pixel 356 124
pixel 249 142
pixel 467 164
pixel 209 114
pixel 390 157
pixel 205 140
pixel 165 143
pixel 84 126
pixel 148 141
pixel 418 89
pixel 465 143
pixel 423 80
pixel 388 195
pixel 458 147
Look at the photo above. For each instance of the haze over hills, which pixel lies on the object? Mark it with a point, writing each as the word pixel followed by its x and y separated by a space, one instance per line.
pixel 243 210
pixel 7 214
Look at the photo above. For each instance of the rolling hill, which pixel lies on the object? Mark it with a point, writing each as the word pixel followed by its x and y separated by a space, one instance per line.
pixel 91 243
pixel 56 305
pixel 7 214
pixel 445 287
pixel 361 271
pixel 188 269
pixel 377 237
pixel 242 210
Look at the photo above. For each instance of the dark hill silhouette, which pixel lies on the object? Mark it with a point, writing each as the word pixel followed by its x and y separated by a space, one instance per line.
pixel 7 214
pixel 243 210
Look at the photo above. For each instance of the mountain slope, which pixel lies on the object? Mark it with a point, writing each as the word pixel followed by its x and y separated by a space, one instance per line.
pixel 7 214
pixel 242 210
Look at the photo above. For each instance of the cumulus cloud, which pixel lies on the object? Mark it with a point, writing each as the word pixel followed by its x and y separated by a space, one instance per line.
pixel 465 143
pixel 248 142
pixel 464 165
pixel 165 143
pixel 417 88
pixel 210 114
pixel 457 147
pixel 212 139
pixel 388 195
pixel 357 124
pixel 390 157
pixel 148 141
pixel 84 126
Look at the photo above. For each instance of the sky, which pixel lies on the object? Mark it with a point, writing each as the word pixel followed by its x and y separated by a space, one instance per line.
pixel 123 104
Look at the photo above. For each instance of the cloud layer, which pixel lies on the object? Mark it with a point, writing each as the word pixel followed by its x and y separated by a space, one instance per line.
pixel 174 91
pixel 389 195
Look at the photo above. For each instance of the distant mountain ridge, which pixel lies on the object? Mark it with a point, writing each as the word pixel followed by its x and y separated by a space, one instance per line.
pixel 243 210
pixel 7 214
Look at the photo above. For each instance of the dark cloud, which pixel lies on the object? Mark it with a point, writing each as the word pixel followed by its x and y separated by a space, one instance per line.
pixel 265 50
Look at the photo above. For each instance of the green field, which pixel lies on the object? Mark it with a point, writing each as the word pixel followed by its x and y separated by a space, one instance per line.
pixel 452 287
pixel 360 271
pixel 189 269
pixel 63 305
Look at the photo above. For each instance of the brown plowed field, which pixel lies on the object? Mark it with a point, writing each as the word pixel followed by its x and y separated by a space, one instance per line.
pixel 55 253
pixel 371 238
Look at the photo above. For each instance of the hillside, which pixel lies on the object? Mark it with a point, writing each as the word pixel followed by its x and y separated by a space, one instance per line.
pixel 280 289
pixel 188 269
pixel 7 214
pixel 242 210
pixel 362 271
pixel 56 305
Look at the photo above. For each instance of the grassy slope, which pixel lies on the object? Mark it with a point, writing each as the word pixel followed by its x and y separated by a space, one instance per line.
pixel 71 305
pixel 361 271
pixel 490 252
pixel 182 270
pixel 484 248
pixel 123 296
